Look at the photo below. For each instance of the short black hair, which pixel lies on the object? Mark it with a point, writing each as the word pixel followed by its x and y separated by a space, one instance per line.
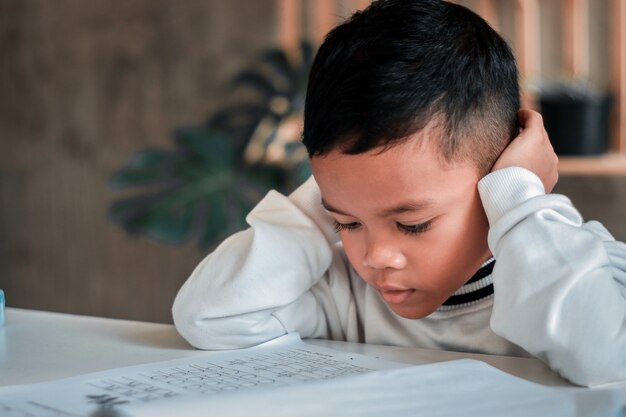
pixel 393 68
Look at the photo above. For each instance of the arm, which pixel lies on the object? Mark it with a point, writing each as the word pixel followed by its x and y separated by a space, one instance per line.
pixel 256 285
pixel 560 283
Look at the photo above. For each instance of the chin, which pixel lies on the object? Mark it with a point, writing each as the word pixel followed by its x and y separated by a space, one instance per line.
pixel 412 312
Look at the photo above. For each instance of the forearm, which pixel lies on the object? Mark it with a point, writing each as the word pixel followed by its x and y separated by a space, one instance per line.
pixel 559 283
pixel 231 297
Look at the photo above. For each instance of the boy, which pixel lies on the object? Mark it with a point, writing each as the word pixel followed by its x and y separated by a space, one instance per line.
pixel 418 229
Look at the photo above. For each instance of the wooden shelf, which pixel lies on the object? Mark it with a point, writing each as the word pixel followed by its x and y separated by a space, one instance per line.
pixel 610 164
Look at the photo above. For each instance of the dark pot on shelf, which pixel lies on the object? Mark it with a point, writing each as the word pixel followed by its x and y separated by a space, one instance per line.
pixel 577 120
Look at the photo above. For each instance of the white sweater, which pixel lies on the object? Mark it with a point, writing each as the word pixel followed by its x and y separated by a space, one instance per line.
pixel 560 285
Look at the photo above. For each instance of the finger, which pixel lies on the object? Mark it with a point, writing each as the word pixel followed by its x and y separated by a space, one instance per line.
pixel 530 119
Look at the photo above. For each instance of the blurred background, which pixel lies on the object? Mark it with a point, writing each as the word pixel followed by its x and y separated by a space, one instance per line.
pixel 135 134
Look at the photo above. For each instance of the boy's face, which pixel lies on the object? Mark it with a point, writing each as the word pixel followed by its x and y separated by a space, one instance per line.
pixel 412 226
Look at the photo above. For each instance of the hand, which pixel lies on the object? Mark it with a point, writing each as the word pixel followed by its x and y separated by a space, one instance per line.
pixel 532 150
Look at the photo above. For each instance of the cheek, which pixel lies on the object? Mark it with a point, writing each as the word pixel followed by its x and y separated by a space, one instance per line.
pixel 476 224
pixel 354 249
pixel 454 248
pixel 429 256
pixel 466 236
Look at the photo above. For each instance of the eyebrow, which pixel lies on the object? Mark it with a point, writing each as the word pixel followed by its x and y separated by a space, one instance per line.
pixel 408 206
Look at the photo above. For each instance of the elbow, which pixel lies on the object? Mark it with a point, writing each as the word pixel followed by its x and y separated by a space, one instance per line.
pixel 574 358
pixel 188 325
pixel 588 372
pixel 203 333
pixel 234 332
pixel 193 323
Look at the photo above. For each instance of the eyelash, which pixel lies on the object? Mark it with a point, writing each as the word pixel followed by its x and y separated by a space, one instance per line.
pixel 408 230
pixel 415 229
pixel 340 227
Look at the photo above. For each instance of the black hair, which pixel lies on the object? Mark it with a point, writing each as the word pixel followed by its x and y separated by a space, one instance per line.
pixel 393 68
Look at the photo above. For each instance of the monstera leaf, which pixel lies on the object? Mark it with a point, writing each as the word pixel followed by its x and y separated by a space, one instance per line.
pixel 197 190
pixel 204 187
pixel 280 83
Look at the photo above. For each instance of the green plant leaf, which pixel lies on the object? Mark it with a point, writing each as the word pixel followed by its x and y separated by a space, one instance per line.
pixel 259 82
pixel 168 222
pixel 280 69
pixel 203 188
pixel 213 150
pixel 147 167
pixel 302 172
pixel 215 218
pixel 307 54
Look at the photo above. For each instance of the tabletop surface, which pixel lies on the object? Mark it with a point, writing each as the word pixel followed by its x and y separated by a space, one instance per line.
pixel 37 346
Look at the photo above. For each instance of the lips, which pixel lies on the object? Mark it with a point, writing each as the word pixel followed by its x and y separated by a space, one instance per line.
pixel 394 295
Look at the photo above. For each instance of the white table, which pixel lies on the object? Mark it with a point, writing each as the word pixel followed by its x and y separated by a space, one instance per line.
pixel 38 346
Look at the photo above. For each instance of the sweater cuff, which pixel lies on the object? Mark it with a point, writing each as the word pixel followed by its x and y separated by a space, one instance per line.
pixel 504 189
pixel 308 199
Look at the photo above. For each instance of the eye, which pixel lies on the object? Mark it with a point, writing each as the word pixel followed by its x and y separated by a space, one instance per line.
pixel 414 229
pixel 339 227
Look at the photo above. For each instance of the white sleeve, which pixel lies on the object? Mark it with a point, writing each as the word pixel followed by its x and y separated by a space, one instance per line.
pixel 257 284
pixel 560 284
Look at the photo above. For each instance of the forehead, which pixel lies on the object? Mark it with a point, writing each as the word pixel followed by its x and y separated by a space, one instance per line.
pixel 408 173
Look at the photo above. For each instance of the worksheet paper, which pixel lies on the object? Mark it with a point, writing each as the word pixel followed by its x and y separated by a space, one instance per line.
pixel 281 362
pixel 287 377
pixel 466 388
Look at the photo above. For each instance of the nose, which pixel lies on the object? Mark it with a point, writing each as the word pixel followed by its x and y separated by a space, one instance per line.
pixel 382 254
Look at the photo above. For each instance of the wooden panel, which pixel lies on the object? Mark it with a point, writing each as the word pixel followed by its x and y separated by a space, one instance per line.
pixel 84 84
pixel 360 4
pixel 487 10
pixel 527 47
pixel 576 38
pixel 600 198
pixel 289 23
pixel 323 18
pixel 618 73
pixel 612 164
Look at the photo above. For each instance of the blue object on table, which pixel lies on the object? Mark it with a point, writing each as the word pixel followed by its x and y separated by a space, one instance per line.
pixel 1 308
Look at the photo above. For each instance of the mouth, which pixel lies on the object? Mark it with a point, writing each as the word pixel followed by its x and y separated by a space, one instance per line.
pixel 395 296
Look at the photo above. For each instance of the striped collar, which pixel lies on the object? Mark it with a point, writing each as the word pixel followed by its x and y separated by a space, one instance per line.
pixel 476 289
